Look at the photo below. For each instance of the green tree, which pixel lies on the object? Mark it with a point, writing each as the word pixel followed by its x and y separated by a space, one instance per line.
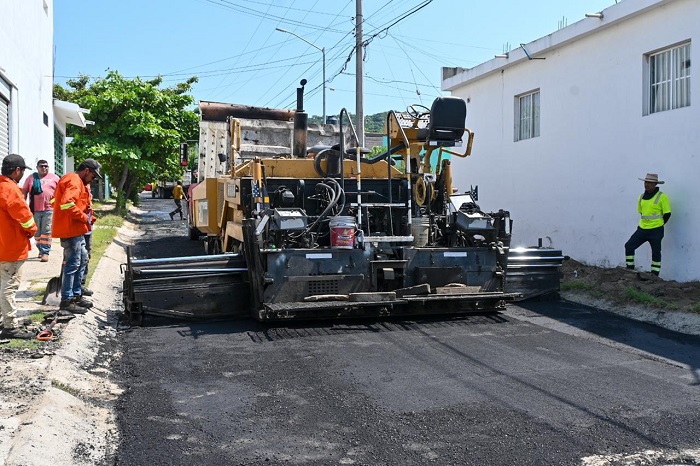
pixel 138 128
pixel 374 123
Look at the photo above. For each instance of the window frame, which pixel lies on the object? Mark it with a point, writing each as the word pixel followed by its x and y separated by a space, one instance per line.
pixel 667 78
pixel 527 115
pixel 59 147
pixel 6 120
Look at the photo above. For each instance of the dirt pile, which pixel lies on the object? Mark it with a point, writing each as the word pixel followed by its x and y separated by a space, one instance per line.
pixel 622 286
pixel 637 295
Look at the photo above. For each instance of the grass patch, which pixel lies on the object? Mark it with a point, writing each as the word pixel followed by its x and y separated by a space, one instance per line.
pixel 102 238
pixel 15 343
pixel 695 308
pixel 66 388
pixel 38 291
pixel 582 287
pixel 109 221
pixel 36 317
pixel 642 297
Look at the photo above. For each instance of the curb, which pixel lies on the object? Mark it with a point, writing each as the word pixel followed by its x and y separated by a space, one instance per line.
pixel 73 422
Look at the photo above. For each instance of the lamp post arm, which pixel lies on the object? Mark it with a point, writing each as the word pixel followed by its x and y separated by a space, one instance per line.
pixel 323 51
pixel 301 38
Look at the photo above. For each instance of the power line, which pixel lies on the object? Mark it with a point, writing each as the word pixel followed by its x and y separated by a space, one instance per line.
pixel 211 73
pixel 227 4
pixel 280 77
pixel 250 38
pixel 328 50
pixel 305 10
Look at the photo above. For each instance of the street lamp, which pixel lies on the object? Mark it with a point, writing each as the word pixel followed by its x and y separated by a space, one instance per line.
pixel 323 51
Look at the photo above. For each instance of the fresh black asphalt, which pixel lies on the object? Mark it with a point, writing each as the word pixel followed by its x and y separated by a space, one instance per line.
pixel 544 383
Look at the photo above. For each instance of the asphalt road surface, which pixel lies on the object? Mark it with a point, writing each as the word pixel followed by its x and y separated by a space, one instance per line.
pixel 544 383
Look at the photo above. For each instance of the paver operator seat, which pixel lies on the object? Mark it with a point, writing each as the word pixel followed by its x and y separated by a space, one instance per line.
pixel 448 116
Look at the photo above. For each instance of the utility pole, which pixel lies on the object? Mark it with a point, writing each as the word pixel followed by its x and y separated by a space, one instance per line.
pixel 359 99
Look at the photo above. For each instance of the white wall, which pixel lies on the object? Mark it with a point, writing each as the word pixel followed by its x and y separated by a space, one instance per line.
pixel 576 186
pixel 26 62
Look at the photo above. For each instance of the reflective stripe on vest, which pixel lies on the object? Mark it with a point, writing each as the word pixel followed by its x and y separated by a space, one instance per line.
pixel 656 202
pixel 67 206
pixel 27 224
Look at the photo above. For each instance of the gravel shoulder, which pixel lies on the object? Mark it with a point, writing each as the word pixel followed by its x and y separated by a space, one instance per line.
pixel 57 403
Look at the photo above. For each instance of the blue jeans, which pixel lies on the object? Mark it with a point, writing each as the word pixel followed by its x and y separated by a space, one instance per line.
pixel 88 248
pixel 75 258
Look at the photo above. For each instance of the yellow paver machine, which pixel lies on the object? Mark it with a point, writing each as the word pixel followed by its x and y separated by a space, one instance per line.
pixel 334 230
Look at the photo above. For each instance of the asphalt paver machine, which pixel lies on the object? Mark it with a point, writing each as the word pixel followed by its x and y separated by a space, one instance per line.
pixel 338 231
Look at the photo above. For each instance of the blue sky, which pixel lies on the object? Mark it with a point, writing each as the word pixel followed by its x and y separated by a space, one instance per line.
pixel 232 45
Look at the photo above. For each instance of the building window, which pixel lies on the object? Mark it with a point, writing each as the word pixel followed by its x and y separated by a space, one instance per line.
pixel 527 116
pixel 58 146
pixel 669 79
pixel 4 119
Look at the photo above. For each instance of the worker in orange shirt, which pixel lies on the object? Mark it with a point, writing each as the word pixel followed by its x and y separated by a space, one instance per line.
pixel 70 223
pixel 16 227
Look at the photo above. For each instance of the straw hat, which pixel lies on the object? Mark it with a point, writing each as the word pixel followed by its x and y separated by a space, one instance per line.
pixel 652 178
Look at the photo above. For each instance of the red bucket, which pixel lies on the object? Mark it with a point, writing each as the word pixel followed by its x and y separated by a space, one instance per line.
pixel 342 232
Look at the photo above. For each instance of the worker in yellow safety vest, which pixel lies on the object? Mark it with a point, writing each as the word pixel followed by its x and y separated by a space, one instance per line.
pixel 178 196
pixel 655 209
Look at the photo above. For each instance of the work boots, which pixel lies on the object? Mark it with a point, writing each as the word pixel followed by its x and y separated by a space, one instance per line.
pixel 72 307
pixel 82 302
pixel 18 333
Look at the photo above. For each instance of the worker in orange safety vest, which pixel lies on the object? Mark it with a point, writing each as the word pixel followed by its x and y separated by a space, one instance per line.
pixel 16 227
pixel 70 223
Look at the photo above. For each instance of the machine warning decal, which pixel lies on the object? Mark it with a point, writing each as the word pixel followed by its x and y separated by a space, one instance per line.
pixel 456 254
pixel 319 256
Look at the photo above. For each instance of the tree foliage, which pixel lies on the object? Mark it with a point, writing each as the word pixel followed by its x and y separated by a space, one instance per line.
pixel 138 128
pixel 375 123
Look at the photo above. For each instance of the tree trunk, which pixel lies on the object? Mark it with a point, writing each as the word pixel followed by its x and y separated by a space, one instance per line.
pixel 121 197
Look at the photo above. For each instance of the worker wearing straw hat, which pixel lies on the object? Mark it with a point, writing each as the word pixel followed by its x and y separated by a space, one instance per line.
pixel 655 210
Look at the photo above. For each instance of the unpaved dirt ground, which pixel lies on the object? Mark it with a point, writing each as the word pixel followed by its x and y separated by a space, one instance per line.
pixel 56 400
pixel 671 304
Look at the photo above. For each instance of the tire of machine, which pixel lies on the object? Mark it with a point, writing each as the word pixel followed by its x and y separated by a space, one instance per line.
pixel 212 245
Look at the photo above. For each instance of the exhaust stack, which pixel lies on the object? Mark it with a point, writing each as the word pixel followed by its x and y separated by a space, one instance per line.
pixel 301 124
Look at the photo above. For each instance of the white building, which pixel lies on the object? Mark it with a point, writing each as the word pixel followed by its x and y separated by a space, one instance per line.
pixel 566 124
pixel 31 124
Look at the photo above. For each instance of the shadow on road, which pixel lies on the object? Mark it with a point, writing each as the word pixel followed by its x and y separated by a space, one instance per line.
pixel 674 346
pixel 260 332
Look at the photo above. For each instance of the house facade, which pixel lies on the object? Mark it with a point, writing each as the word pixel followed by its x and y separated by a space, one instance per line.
pixel 567 124
pixel 26 80
pixel 32 124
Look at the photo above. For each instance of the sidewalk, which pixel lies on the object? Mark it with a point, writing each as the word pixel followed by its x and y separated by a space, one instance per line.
pixel 35 276
pixel 57 403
